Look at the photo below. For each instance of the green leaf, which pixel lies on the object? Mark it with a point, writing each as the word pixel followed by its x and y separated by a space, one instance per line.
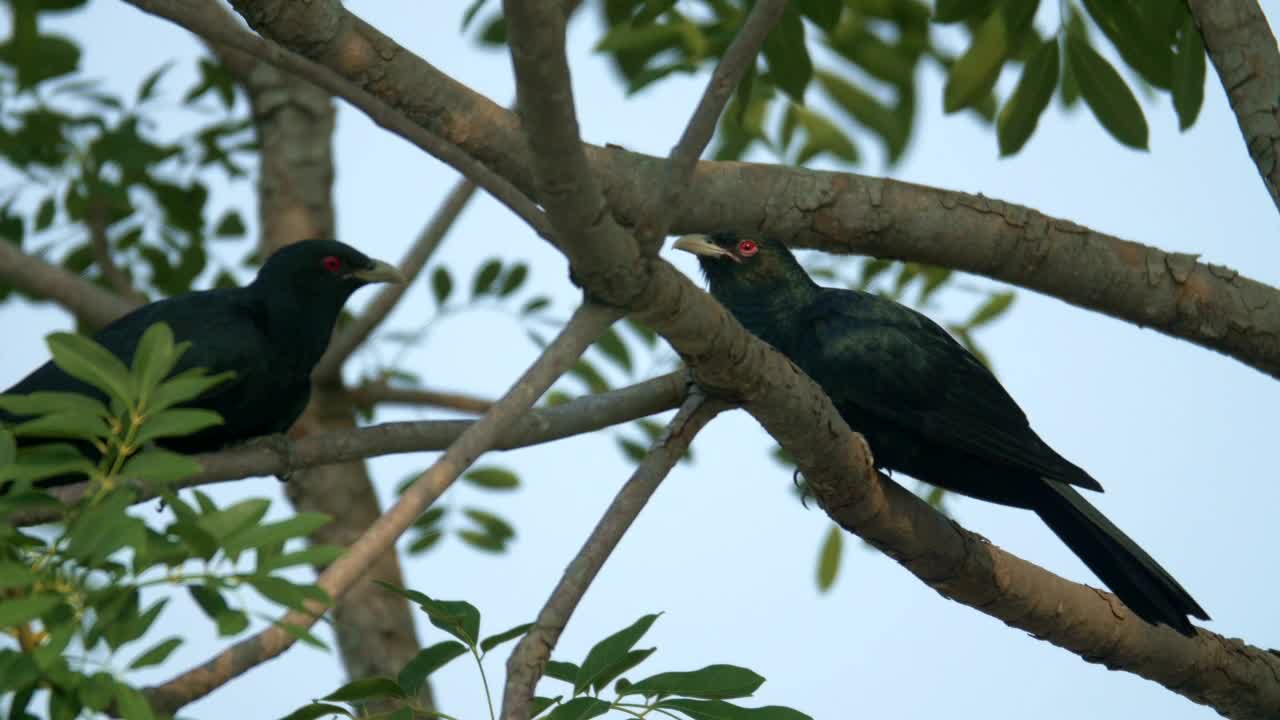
pixel 949 11
pixel 534 305
pixel 176 422
pixel 587 373
pixel 540 704
pixel 25 609
pixel 581 708
pixel 48 402
pixel 494 641
pixel 627 662
pixel 427 661
pixel 315 555
pixel 721 710
pixel 64 425
pixel 97 690
pixel 824 13
pixel 822 136
pixel 611 344
pixel 223 523
pixel 714 682
pixel 975 72
pixel 441 284
pixel 559 670
pixel 289 594
pixel 88 361
pixel 301 634
pixel 483 541
pixel 1019 116
pixel 1188 74
pixel 156 465
pixel 492 478
pixel 1145 48
pixel 788 56
pixel 154 358
pixel 131 703
pixel 14 575
pixel 317 710
pixel 1107 94
pixel 49 460
pixel 148 86
pixel 458 618
pixel 185 386
pixel 829 558
pixel 994 307
pixel 514 278
pixel 46 212
pixel 366 689
pixel 157 654
pixel 485 277
pixel 256 536
pixel 230 226
pixel 610 651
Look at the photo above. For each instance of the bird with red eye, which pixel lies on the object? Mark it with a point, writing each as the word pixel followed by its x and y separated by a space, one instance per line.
pixel 332 263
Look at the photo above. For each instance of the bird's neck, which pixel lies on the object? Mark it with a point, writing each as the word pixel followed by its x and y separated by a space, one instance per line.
pixel 299 326
pixel 768 313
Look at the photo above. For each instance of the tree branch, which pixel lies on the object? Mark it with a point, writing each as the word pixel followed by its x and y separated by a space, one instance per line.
pixel 1244 53
pixel 529 659
pixel 1206 304
pixel 583 328
pixel 90 304
pixel 262 459
pixel 379 393
pixel 194 16
pixel 354 335
pixel 738 58
pixel 97 222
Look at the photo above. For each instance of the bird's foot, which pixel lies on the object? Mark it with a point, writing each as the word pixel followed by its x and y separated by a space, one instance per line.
pixel 802 485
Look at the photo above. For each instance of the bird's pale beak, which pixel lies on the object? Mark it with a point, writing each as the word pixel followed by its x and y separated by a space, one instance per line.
pixel 702 246
pixel 380 273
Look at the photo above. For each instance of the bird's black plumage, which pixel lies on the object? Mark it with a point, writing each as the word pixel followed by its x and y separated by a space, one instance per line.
pixel 928 407
pixel 270 333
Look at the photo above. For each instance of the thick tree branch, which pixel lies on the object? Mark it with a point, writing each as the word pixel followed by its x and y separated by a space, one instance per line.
pixel 194 15
pixel 1244 53
pixel 1207 304
pixel 283 456
pixel 354 335
pixel 529 659
pixel 90 304
pixel 582 329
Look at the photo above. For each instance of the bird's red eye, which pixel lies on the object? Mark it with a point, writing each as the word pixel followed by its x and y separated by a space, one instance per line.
pixel 747 248
pixel 332 263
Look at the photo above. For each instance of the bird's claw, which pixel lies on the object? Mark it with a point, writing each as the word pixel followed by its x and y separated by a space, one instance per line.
pixel 797 479
pixel 279 444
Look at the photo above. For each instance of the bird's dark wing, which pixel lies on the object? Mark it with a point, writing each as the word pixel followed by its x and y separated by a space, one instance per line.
pixel 896 365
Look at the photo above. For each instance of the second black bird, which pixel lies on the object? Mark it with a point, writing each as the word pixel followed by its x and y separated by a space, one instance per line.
pixel 927 407
pixel 270 333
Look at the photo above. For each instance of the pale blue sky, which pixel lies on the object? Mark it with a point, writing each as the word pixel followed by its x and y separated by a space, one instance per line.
pixel 1183 438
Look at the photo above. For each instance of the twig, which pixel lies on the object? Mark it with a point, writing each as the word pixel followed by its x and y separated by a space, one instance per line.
pixel 382 394
pixel 1244 53
pixel 737 59
pixel 102 252
pixel 89 303
pixel 582 329
pixel 354 335
pixel 197 17
pixel 529 659
pixel 261 459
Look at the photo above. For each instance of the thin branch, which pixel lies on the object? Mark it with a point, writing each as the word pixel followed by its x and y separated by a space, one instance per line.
pixel 1244 53
pixel 529 659
pixel 89 303
pixel 282 456
pixel 199 17
pixel 382 394
pixel 738 58
pixel 102 252
pixel 354 335
pixel 582 329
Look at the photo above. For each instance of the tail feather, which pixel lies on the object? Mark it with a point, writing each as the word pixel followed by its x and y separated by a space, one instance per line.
pixel 1138 580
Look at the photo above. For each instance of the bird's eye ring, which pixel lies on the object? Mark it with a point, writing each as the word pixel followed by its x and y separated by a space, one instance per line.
pixel 332 263
pixel 747 248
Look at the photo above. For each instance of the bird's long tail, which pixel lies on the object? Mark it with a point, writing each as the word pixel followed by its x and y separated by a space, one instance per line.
pixel 1139 581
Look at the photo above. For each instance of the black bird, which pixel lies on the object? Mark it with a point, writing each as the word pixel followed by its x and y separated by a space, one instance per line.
pixel 927 407
pixel 271 333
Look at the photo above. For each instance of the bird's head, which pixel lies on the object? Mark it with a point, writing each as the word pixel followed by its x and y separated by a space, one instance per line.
pixel 739 266
pixel 324 268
